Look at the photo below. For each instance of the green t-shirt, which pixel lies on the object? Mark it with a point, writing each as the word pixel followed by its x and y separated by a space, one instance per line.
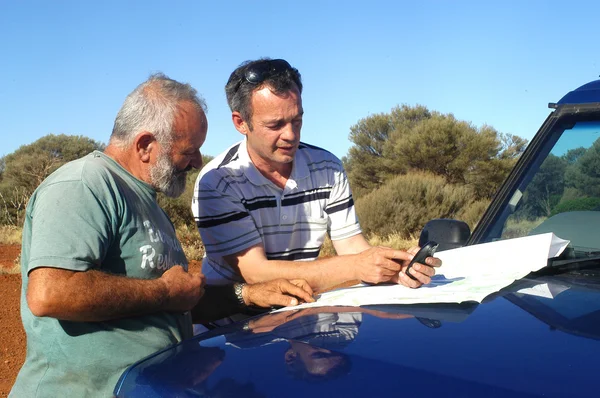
pixel 93 214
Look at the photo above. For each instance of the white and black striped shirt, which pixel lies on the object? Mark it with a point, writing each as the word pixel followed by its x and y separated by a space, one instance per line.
pixel 236 207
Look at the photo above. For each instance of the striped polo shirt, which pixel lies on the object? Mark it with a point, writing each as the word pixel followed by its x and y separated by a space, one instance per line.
pixel 236 207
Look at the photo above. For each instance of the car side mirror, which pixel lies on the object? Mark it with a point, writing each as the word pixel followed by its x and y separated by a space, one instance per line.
pixel 448 233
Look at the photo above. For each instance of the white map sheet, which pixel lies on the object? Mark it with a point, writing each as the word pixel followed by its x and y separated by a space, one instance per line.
pixel 467 274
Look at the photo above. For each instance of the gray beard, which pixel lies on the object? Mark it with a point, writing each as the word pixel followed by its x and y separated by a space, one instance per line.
pixel 166 179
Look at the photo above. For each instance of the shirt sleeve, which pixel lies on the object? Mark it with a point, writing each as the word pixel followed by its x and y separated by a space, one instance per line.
pixel 70 228
pixel 224 224
pixel 343 222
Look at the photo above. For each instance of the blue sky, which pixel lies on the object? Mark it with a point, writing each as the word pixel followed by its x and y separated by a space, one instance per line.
pixel 67 66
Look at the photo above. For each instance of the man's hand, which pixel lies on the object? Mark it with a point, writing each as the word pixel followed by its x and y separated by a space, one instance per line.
pixel 183 289
pixel 380 264
pixel 278 292
pixel 423 272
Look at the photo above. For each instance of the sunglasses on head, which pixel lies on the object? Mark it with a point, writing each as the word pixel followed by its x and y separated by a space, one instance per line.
pixel 261 71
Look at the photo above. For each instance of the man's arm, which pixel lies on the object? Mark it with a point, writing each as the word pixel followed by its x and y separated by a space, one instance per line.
pixel 352 245
pixel 94 296
pixel 372 265
pixel 357 261
pixel 220 301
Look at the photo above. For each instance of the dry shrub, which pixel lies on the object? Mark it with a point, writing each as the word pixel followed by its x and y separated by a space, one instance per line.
pixel 327 249
pixel 13 202
pixel 404 204
pixel 517 228
pixel 10 235
pixel 15 269
pixel 190 241
pixel 395 241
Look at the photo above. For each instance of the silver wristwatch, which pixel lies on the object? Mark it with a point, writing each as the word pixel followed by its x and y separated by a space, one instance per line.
pixel 237 289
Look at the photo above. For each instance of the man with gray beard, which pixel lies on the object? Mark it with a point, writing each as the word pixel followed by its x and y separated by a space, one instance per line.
pixel 105 279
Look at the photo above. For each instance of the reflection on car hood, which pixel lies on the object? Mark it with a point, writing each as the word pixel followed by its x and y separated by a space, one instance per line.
pixel 539 337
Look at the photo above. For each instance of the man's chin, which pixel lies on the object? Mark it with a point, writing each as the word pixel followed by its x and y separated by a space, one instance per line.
pixel 289 152
pixel 285 157
pixel 176 189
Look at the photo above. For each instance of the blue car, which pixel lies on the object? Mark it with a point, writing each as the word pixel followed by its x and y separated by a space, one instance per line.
pixel 538 337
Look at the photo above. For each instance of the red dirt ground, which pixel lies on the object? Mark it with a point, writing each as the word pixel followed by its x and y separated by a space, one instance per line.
pixel 12 335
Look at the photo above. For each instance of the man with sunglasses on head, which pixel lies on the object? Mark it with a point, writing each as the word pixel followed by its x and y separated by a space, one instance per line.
pixel 264 206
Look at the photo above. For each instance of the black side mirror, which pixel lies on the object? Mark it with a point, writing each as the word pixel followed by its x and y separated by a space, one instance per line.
pixel 449 233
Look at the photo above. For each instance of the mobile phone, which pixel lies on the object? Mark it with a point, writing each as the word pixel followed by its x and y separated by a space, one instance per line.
pixel 428 250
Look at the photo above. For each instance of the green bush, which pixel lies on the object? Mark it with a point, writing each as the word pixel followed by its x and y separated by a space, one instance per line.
pixel 416 139
pixel 578 204
pixel 404 204
pixel 471 214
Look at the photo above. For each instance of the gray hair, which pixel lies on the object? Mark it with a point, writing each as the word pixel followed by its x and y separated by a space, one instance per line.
pixel 152 107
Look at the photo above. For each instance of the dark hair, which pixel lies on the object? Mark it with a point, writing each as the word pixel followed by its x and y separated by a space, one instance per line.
pixel 239 90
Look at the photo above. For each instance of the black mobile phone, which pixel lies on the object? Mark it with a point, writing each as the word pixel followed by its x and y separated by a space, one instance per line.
pixel 428 250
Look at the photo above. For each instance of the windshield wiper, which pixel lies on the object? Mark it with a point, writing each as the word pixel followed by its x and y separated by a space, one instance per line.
pixel 561 264
pixel 581 260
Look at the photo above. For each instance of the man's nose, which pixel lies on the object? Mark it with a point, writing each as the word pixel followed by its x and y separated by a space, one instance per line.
pixel 289 133
pixel 196 161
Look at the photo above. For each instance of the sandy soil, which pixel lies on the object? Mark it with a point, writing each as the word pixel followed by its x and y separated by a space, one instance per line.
pixel 12 335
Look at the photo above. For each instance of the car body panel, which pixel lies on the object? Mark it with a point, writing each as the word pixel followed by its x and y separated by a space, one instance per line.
pixel 588 93
pixel 513 344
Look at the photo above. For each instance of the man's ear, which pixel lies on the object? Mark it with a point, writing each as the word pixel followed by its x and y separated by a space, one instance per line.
pixel 145 143
pixel 289 356
pixel 239 123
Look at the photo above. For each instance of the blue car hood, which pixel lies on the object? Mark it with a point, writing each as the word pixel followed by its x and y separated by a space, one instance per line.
pixel 537 338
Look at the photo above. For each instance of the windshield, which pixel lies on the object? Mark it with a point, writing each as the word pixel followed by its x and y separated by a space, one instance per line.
pixel 560 193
